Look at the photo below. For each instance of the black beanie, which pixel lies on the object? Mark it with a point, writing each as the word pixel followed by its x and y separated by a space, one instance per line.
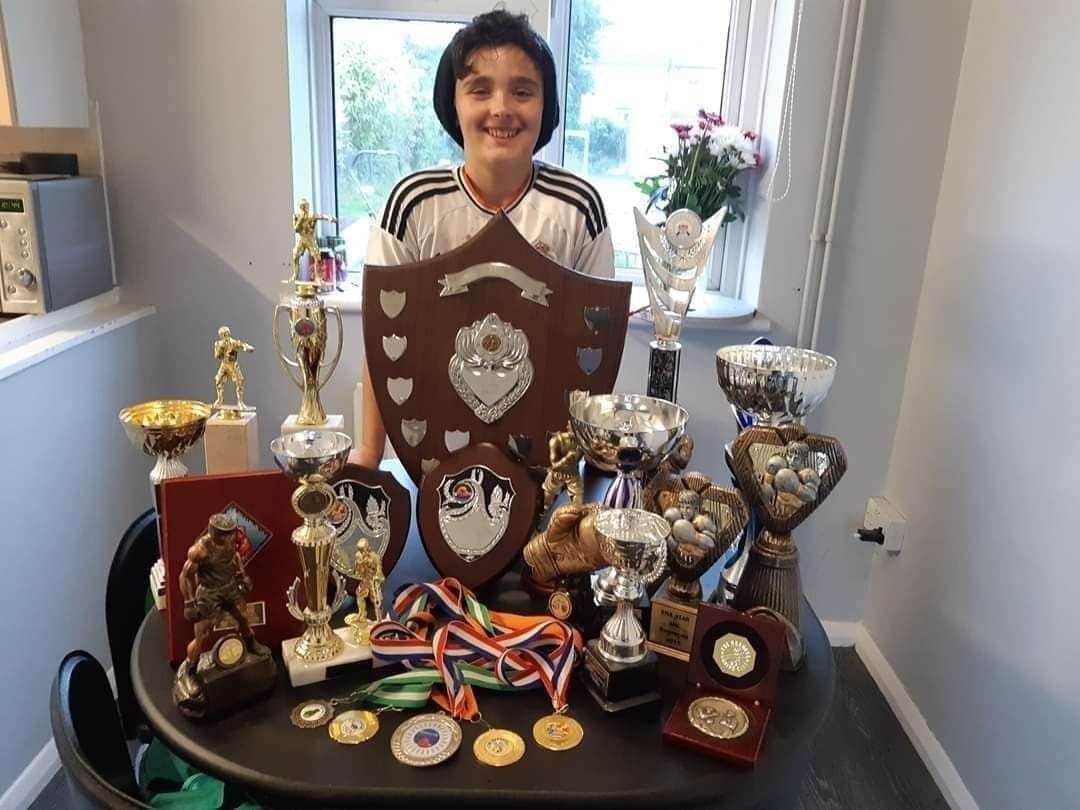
pixel 443 95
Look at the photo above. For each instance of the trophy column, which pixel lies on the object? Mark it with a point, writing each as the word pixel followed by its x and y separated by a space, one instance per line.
pixel 664 359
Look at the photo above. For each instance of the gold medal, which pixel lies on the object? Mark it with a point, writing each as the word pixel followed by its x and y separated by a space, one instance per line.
pixel 718 717
pixel 312 714
pixel 498 747
pixel 557 732
pixel 229 652
pixel 354 727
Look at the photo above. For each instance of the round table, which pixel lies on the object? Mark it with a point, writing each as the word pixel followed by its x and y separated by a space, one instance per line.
pixel 622 762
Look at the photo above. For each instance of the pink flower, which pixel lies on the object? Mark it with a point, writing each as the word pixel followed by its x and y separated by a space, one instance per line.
pixel 750 135
pixel 682 130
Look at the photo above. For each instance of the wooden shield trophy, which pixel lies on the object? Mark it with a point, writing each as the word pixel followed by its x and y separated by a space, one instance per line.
pixel 483 344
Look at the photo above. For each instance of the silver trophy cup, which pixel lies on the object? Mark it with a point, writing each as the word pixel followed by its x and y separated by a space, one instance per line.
pixel 312 458
pixel 634 543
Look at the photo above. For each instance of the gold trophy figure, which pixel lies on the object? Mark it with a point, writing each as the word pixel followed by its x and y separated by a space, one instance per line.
pixel 368 573
pixel 304 224
pixel 226 350
pixel 565 471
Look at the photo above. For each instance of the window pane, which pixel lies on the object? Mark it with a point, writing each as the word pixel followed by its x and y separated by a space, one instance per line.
pixel 384 124
pixel 632 73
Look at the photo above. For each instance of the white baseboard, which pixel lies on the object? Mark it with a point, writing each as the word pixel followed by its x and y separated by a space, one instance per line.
pixel 842 634
pixel 914 724
pixel 42 768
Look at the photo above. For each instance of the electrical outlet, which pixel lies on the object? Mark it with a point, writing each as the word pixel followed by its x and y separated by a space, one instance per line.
pixel 881 513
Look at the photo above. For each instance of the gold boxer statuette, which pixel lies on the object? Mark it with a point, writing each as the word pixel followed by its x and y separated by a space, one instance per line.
pixel 352 728
pixel 718 717
pixel 499 747
pixel 557 732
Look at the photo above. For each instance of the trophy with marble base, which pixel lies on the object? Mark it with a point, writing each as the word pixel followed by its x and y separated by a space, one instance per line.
pixel 232 434
pixel 784 472
pixel 673 255
pixel 621 673
pixel 307 316
pixel 627 434
pixel 237 670
pixel 312 458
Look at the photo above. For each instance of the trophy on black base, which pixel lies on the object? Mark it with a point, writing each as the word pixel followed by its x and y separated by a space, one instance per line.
pixel 621 672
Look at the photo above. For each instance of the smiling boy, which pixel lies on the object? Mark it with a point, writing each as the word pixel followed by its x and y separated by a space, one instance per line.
pixel 495 94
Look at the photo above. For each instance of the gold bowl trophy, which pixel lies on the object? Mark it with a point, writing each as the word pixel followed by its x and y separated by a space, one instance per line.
pixel 784 472
pixel 312 458
pixel 673 255
pixel 165 428
pixel 307 314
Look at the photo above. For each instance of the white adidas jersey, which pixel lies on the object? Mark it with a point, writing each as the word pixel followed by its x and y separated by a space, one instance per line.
pixel 431 212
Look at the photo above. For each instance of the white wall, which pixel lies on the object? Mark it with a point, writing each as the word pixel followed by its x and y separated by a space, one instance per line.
pixel 195 112
pixel 72 484
pixel 977 615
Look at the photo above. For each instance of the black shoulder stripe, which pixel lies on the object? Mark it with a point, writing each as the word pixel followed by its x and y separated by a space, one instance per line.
pixel 580 188
pixel 571 199
pixel 407 184
pixel 415 201
pixel 581 182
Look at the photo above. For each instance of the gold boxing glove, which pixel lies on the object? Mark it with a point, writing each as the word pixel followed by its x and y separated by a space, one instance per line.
pixel 569 545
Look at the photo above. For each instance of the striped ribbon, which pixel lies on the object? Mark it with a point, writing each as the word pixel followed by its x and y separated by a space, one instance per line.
pixel 476 647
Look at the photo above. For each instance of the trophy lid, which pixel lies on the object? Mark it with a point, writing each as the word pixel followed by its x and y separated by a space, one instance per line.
pixel 777 384
pixel 631 431
pixel 311 452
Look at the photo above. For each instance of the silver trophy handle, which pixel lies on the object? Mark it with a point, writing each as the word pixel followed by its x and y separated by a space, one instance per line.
pixel 658 567
pixel 291 601
pixel 340 344
pixel 289 365
pixel 339 591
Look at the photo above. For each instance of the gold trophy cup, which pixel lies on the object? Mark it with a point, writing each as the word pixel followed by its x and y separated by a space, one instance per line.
pixel 307 314
pixel 165 428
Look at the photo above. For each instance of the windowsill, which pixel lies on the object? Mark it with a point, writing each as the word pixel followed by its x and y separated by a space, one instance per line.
pixel 710 310
pixel 31 339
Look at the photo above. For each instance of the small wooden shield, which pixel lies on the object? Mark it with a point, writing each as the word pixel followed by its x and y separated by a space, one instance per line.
pixel 476 511
pixel 371 505
pixel 491 335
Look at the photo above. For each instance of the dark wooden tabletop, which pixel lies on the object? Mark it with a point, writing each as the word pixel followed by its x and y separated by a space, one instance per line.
pixel 622 762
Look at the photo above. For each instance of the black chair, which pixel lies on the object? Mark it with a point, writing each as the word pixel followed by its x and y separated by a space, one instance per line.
pixel 125 601
pixel 88 736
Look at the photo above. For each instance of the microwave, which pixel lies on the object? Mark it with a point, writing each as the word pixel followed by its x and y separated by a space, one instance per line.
pixel 54 242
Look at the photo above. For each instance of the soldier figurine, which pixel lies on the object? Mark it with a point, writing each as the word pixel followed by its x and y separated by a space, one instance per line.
pixel 214 585
pixel 564 471
pixel 368 573
pixel 304 223
pixel 226 349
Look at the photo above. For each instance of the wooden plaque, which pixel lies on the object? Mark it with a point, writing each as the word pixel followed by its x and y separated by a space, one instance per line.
pixel 476 511
pixel 743 750
pixel 418 318
pixel 260 504
pixel 371 504
pixel 736 655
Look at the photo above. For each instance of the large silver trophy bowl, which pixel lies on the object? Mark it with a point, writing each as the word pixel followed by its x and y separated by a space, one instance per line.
pixel 784 472
pixel 776 384
pixel 312 458
pixel 628 434
pixel 634 543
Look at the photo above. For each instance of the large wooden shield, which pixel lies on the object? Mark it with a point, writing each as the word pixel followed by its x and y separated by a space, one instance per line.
pixel 484 344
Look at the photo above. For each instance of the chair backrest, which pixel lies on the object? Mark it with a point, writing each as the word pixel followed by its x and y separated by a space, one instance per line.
pixel 88 736
pixel 125 601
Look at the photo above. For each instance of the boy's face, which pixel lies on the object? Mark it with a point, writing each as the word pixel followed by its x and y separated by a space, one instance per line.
pixel 500 105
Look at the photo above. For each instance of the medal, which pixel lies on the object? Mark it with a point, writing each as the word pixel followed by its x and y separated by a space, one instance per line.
pixel 718 717
pixel 498 747
pixel 354 727
pixel 557 732
pixel 426 739
pixel 312 714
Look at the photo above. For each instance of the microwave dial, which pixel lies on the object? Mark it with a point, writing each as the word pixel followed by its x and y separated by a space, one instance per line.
pixel 25 279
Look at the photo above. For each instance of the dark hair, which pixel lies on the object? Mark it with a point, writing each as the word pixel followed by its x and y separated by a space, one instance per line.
pixel 491 30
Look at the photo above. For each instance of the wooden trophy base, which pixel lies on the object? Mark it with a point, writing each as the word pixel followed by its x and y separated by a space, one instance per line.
pixel 352 659
pixel 742 750
pixel 334 421
pixel 620 686
pixel 231 443
pixel 226 689
pixel 671 625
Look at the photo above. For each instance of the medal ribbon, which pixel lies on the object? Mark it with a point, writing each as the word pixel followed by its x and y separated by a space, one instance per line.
pixel 515 652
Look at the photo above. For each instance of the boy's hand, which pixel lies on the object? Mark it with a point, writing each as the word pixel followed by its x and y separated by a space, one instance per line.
pixel 365 458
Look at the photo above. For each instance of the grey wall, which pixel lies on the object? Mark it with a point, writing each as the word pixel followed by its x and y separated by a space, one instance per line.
pixel 977 614
pixel 71 484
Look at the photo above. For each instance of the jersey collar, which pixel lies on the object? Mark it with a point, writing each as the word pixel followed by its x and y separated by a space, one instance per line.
pixel 464 186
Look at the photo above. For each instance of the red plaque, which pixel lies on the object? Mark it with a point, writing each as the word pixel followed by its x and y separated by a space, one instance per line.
pixel 476 510
pixel 743 750
pixel 259 502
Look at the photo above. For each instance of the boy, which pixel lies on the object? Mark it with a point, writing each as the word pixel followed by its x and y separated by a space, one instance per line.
pixel 495 94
